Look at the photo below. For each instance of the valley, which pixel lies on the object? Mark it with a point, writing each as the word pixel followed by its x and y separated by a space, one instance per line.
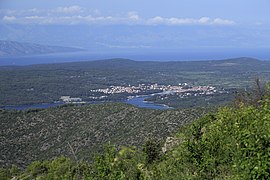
pixel 116 80
pixel 117 101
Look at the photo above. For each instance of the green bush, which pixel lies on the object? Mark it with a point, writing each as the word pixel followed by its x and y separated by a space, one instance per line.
pixel 124 164
pixel 152 149
pixel 233 143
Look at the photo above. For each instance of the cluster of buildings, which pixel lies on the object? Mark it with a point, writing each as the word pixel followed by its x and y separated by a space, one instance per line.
pixel 129 89
pixel 117 90
pixel 198 89
pixel 183 90
pixel 195 92
pixel 162 88
pixel 68 99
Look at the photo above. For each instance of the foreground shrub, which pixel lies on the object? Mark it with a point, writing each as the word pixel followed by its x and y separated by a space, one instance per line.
pixel 233 143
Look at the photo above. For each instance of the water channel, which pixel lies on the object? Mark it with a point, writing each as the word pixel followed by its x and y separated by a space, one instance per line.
pixel 138 101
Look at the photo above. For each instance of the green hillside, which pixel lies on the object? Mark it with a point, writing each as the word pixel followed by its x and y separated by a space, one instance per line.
pixel 233 143
pixel 41 134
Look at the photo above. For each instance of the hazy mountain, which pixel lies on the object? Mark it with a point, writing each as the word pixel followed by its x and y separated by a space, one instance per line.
pixel 13 48
pixel 207 42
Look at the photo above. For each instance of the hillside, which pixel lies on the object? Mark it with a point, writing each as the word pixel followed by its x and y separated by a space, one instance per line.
pixel 232 143
pixel 13 48
pixel 40 134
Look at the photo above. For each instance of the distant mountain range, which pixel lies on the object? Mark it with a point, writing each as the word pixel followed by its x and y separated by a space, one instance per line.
pixel 14 48
pixel 146 42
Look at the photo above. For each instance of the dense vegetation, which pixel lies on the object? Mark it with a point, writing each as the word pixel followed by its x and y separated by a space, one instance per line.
pixel 233 143
pixel 41 134
pixel 174 100
pixel 47 83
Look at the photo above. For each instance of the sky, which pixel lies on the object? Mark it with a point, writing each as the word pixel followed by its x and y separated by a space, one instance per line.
pixel 169 12
pixel 185 23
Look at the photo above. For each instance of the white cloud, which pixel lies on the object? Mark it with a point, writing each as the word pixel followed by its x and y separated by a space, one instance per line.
pixel 204 20
pixel 181 21
pixel 79 15
pixel 9 18
pixel 156 20
pixel 34 17
pixel 188 21
pixel 169 21
pixel 70 9
pixel 133 16
pixel 223 21
pixel 69 20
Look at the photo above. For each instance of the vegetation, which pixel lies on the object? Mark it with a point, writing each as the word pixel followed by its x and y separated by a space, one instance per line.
pixel 230 144
pixel 233 143
pixel 47 83
pixel 174 100
pixel 80 131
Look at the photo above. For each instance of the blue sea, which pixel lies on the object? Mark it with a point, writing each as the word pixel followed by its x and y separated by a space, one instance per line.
pixel 138 101
pixel 262 54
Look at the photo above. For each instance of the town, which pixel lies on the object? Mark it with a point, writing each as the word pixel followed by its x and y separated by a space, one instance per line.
pixel 150 88
pixel 126 92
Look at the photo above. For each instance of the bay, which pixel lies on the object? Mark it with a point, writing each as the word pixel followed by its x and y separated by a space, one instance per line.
pixel 138 101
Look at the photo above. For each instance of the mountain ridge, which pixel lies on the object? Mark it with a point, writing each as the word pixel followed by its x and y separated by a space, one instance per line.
pixel 118 61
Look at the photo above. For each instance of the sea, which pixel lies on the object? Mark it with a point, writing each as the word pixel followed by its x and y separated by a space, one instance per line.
pixel 138 101
pixel 262 54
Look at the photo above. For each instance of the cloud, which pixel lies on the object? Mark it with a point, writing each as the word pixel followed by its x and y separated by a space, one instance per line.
pixel 133 16
pixel 223 21
pixel 79 15
pixel 68 20
pixel 34 17
pixel 188 21
pixel 204 20
pixel 70 9
pixel 9 18
pixel 169 21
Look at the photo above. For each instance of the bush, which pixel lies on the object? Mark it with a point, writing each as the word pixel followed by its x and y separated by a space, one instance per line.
pixel 152 149
pixel 233 143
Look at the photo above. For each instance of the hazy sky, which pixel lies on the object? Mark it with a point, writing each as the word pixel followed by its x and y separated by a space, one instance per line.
pixel 241 12
pixel 189 23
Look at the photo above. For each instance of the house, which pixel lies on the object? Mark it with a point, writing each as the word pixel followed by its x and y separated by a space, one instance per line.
pixel 68 99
